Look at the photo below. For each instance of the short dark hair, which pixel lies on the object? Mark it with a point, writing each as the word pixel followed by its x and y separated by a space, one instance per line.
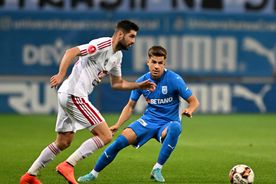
pixel 157 51
pixel 126 26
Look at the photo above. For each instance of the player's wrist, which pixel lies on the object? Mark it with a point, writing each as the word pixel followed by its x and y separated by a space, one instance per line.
pixel 139 85
pixel 61 73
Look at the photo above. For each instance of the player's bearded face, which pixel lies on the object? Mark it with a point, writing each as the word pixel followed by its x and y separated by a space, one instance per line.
pixel 122 45
pixel 127 40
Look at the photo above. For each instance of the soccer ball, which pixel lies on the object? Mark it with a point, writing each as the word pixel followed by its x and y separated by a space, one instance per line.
pixel 241 174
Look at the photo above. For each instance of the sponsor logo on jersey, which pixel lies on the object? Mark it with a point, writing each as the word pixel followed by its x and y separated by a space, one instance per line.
pixel 142 122
pixel 164 90
pixel 160 101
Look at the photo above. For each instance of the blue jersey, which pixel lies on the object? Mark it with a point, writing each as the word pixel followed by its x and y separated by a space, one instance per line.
pixel 164 102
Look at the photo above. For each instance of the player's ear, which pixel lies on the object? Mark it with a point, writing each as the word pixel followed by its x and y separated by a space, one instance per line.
pixel 147 61
pixel 120 34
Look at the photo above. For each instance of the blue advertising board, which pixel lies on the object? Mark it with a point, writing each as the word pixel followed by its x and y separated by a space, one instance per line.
pixel 226 44
pixel 36 97
pixel 198 44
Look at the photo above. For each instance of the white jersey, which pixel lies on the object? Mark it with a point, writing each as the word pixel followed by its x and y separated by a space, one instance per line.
pixel 96 61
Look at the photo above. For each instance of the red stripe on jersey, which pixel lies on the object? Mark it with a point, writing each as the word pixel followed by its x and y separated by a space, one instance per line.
pixel 104 46
pixel 81 110
pixel 93 114
pixel 88 112
pixel 83 52
pixel 102 43
pixel 92 110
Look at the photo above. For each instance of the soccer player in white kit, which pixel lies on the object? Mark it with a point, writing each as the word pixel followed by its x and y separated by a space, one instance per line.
pixel 97 59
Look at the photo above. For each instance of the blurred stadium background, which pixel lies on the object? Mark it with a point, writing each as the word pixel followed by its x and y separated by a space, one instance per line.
pixel 224 49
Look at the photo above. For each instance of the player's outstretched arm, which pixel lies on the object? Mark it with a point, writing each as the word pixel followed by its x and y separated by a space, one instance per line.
pixel 147 84
pixel 125 115
pixel 66 60
pixel 118 83
pixel 193 105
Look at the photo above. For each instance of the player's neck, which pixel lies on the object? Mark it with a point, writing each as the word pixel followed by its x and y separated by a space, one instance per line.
pixel 157 78
pixel 154 78
pixel 115 43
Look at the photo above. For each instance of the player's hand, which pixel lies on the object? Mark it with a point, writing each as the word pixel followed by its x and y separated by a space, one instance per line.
pixel 147 84
pixel 114 129
pixel 56 80
pixel 187 112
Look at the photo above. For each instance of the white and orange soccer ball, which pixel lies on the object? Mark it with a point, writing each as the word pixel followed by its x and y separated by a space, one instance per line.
pixel 241 174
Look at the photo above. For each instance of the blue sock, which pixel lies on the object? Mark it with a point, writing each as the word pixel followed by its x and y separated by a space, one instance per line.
pixel 110 153
pixel 170 141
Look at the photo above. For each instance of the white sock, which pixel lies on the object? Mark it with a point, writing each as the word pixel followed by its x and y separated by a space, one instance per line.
pixel 47 155
pixel 86 149
pixel 95 173
pixel 157 165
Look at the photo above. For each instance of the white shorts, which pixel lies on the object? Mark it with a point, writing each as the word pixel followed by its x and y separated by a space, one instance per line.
pixel 76 113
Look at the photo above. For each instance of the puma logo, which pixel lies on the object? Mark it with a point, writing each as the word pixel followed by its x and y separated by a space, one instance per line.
pixel 257 98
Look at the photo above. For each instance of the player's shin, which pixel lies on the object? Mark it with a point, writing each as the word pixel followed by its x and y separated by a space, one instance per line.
pixel 86 149
pixel 47 155
pixel 110 153
pixel 173 132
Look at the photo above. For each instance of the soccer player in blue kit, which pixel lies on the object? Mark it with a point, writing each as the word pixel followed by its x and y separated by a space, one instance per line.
pixel 161 119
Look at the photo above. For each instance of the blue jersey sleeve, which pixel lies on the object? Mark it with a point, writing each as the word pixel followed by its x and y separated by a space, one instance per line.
pixel 135 95
pixel 182 88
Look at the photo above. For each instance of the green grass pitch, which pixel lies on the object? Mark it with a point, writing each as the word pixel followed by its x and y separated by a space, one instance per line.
pixel 209 146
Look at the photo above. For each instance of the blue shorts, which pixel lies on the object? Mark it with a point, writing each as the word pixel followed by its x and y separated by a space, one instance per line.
pixel 145 131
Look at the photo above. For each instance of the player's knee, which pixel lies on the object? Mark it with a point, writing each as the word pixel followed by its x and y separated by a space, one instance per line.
pixel 62 145
pixel 106 138
pixel 175 128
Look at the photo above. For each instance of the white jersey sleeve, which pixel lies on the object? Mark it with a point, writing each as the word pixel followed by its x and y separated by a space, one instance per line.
pixel 117 70
pixel 88 49
pixel 96 61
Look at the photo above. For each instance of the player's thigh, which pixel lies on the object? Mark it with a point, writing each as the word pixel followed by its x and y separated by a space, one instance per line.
pixel 164 132
pixel 82 113
pixel 63 122
pixel 143 133
pixel 130 135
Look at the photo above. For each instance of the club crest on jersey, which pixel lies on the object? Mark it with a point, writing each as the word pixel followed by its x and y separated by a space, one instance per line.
pixel 164 90
pixel 91 49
